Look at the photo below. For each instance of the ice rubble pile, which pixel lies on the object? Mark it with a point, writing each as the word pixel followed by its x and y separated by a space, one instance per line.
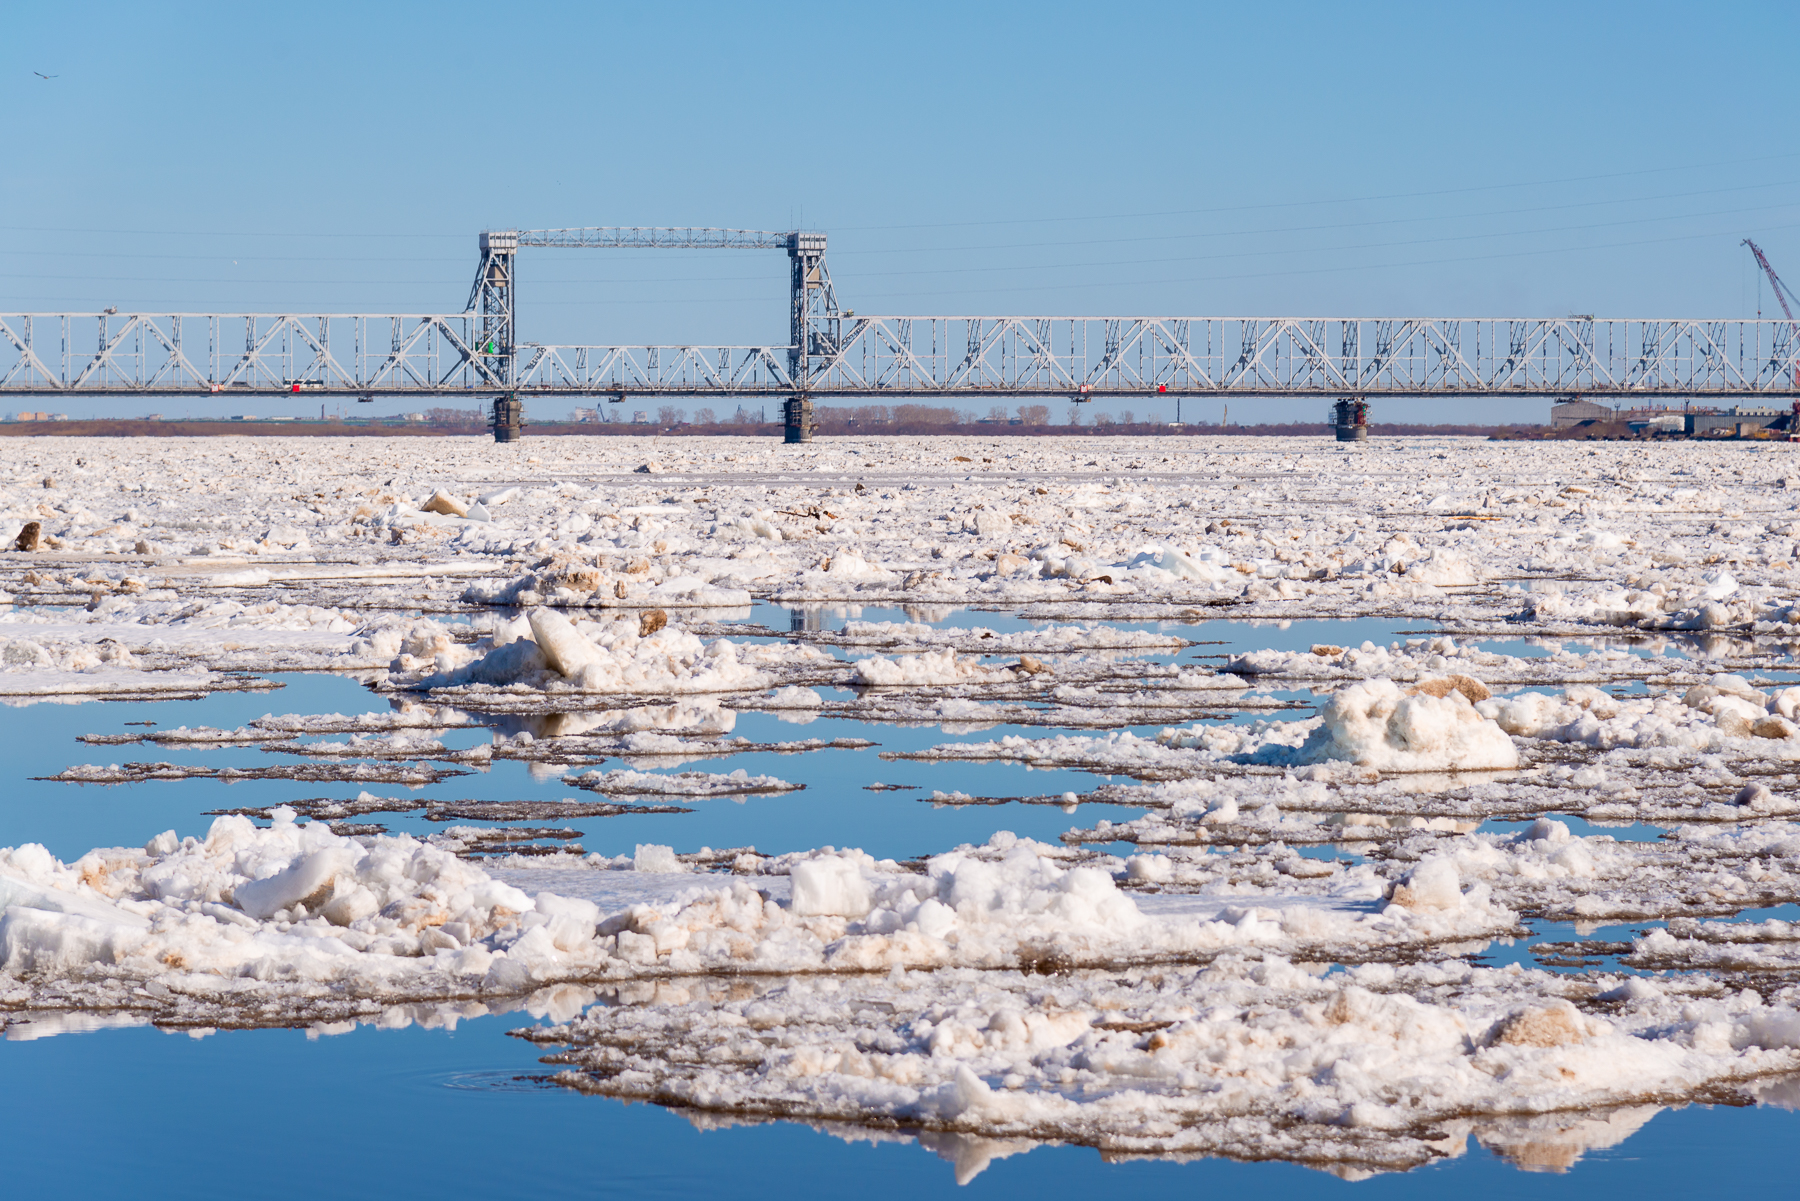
pixel 1420 659
pixel 570 580
pixel 286 903
pixel 1540 869
pixel 1715 601
pixel 247 911
pixel 545 650
pixel 1545 870
pixel 1688 945
pixel 1410 660
pixel 1431 726
pixel 1377 725
pixel 28 655
pixel 1725 713
pixel 1205 565
pixel 441 509
pixel 1448 723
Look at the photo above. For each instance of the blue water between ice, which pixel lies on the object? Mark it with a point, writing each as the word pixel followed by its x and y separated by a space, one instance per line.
pixel 387 1114
pixel 398 1113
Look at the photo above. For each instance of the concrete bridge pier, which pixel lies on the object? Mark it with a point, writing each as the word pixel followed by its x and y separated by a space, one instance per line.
pixel 799 422
pixel 508 421
pixel 1352 420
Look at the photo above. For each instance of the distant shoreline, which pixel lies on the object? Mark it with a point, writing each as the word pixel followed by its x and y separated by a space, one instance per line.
pixel 124 428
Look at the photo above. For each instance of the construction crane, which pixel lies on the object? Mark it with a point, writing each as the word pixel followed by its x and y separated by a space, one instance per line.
pixel 1781 294
pixel 1782 291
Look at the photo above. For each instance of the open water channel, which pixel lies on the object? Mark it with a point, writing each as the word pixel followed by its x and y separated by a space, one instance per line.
pixel 467 1111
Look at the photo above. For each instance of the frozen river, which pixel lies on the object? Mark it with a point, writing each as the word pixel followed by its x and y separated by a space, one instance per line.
pixel 904 814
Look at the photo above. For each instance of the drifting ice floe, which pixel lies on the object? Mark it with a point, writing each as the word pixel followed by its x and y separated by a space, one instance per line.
pixel 247 907
pixel 1376 1067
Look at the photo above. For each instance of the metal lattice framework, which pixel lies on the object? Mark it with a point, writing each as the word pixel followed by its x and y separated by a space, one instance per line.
pixel 494 295
pixel 138 353
pixel 184 353
pixel 648 237
pixel 834 353
pixel 1283 356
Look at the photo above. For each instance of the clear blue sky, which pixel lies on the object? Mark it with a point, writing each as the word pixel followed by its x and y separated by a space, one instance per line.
pixel 1316 159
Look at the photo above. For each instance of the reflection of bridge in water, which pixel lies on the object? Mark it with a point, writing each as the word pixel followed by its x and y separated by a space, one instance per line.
pixel 836 352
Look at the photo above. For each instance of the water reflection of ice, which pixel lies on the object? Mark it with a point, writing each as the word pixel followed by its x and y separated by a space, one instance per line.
pixel 1556 1142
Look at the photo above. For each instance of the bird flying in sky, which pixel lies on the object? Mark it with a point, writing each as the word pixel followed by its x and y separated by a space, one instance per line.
pixel 41 75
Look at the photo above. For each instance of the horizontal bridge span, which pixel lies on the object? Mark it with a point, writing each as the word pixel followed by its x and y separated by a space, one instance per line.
pixel 186 353
pixel 645 237
pixel 848 355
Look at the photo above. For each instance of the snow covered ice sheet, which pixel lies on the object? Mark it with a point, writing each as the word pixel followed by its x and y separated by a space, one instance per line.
pixel 1702 537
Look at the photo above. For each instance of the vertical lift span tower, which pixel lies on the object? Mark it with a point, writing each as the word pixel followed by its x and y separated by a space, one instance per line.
pixel 813 326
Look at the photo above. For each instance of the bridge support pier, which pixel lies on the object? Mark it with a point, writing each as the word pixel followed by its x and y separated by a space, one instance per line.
pixel 798 412
pixel 508 420
pixel 1352 421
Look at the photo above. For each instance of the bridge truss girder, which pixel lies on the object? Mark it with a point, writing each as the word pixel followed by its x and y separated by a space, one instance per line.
pixel 48 354
pixel 900 357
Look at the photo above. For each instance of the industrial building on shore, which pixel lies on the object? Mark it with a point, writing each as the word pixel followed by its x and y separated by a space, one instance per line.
pixel 1689 419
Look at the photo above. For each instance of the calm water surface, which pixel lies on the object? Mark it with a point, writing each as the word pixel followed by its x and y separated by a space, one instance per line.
pixel 462 1113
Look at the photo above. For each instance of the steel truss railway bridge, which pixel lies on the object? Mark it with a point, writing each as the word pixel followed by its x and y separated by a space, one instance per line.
pixel 836 352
